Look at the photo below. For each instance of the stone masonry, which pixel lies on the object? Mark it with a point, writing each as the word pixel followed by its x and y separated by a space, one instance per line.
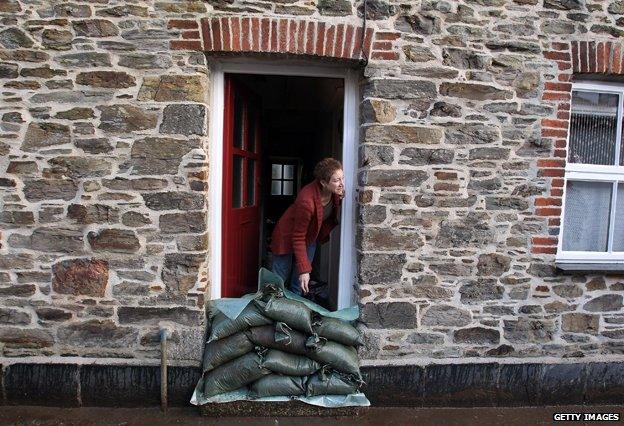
pixel 104 169
pixel 464 109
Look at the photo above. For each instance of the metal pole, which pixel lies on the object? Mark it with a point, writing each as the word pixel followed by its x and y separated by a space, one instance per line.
pixel 163 369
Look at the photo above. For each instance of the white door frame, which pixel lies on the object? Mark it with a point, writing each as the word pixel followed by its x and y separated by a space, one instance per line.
pixel 347 261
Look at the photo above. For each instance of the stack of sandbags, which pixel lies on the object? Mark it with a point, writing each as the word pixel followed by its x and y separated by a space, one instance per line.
pixel 278 346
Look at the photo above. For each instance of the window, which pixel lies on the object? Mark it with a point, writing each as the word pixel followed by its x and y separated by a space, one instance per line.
pixel 282 179
pixel 593 205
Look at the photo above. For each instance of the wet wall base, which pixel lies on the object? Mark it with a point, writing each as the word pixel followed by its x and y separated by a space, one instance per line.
pixel 450 385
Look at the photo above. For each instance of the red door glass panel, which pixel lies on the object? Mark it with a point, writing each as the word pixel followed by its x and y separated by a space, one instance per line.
pixel 241 186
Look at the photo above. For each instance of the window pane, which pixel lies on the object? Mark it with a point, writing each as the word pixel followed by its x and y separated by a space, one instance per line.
pixel 238 122
pixel 251 125
pixel 276 171
pixel 251 182
pixel 288 187
pixel 618 229
pixel 586 219
pixel 593 125
pixel 276 187
pixel 289 171
pixel 237 182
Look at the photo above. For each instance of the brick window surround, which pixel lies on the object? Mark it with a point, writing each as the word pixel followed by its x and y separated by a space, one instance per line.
pixel 571 59
pixel 284 36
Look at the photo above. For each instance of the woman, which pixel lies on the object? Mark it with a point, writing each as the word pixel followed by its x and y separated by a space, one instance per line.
pixel 307 222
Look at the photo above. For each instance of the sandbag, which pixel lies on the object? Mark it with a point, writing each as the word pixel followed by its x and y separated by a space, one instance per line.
pixel 270 290
pixel 223 350
pixel 330 384
pixel 295 314
pixel 290 341
pixel 340 357
pixel 338 331
pixel 222 326
pixel 289 364
pixel 234 374
pixel 278 385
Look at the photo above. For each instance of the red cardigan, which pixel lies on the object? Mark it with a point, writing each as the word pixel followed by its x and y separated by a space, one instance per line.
pixel 301 225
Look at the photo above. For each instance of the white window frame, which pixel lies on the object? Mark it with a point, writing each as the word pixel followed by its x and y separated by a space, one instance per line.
pixel 218 68
pixel 282 179
pixel 595 173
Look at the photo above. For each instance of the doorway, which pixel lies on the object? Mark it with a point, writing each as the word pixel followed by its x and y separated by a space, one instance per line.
pixel 277 122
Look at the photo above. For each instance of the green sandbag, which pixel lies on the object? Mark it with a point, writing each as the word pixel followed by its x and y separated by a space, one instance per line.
pixel 277 385
pixel 338 331
pixel 330 384
pixel 222 326
pixel 290 341
pixel 289 364
pixel 269 291
pixel 223 350
pixel 295 314
pixel 340 357
pixel 234 374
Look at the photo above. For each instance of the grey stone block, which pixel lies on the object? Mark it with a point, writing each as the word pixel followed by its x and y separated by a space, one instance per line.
pixel 181 382
pixel 562 384
pixel 459 385
pixel 519 384
pixel 183 119
pixel 394 386
pixel 604 383
pixel 41 384
pixel 119 386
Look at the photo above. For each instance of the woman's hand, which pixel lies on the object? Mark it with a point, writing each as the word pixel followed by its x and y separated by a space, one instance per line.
pixel 304 279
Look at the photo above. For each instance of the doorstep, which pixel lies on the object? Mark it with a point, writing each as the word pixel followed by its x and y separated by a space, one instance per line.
pixel 275 409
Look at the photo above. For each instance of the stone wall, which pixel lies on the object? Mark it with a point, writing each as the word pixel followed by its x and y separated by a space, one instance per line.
pixel 103 127
pixel 103 180
pixel 473 114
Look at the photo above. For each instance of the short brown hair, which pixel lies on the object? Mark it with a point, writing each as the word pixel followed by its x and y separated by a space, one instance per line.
pixel 325 168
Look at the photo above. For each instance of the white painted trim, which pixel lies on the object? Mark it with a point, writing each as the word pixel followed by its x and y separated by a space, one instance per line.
pixel 347 264
pixel 251 66
pixel 597 176
pixel 215 186
pixel 606 172
pixel 594 86
pixel 590 257
pixel 347 261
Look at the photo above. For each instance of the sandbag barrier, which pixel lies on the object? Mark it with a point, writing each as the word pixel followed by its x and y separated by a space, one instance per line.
pixel 278 348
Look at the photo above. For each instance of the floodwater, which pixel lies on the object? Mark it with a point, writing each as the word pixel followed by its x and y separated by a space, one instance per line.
pixel 507 416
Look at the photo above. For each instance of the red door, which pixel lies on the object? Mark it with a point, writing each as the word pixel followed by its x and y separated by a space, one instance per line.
pixel 241 190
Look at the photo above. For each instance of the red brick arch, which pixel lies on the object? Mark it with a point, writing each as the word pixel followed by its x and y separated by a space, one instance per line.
pixel 597 57
pixel 286 36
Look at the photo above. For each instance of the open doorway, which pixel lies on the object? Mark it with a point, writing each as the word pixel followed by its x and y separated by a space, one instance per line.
pixel 276 128
pixel 219 68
